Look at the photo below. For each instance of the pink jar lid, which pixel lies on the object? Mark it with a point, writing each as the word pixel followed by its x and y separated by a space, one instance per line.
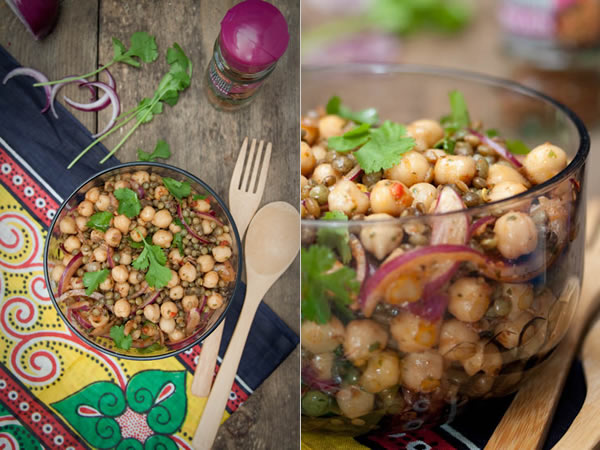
pixel 254 35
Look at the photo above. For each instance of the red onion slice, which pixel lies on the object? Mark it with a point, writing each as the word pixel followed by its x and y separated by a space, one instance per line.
pixel 358 252
pixel 354 173
pixel 498 148
pixel 74 264
pixel 36 75
pixel 142 289
pixel 116 104
pixel 210 218
pixel 80 319
pixel 151 299
pixel 188 228
pixel 38 16
pixel 97 105
pixel 58 87
pixel 80 293
pixel 480 223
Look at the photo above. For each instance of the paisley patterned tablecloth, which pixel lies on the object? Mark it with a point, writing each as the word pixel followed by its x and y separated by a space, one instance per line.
pixel 55 391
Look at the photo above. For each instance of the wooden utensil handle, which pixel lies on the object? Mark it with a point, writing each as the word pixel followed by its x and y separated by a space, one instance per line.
pixel 215 406
pixel 203 376
pixel 583 432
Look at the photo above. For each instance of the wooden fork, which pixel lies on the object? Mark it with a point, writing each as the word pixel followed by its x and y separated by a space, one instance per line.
pixel 244 199
pixel 525 423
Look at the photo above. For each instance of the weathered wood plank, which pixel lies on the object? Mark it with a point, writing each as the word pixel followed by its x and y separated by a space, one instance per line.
pixel 71 49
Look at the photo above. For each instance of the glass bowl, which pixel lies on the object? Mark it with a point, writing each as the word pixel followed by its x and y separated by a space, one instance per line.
pixel 54 251
pixel 412 349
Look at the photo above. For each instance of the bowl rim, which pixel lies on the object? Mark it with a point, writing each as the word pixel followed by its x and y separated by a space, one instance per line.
pixel 238 280
pixel 481 78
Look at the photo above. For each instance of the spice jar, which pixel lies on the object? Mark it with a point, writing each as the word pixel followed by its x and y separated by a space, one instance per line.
pixel 254 35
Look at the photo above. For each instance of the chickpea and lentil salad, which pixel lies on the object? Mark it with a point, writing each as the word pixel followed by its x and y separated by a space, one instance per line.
pixel 143 260
pixel 411 300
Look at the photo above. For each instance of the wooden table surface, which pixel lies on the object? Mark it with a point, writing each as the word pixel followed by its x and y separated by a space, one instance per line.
pixel 203 141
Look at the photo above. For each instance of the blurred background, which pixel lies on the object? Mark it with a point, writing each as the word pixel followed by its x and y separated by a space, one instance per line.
pixel 550 45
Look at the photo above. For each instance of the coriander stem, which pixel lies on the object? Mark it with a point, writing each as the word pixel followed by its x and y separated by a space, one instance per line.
pixel 127 113
pixel 69 79
pixel 108 133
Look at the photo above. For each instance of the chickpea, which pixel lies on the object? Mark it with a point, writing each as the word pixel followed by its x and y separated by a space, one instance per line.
pixel 96 236
pixel 498 173
pixel 189 302
pixel 57 272
pixel 72 243
pixel 120 273
pixel 406 288
pixel 422 372
pixel 469 298
pixel 323 365
pixel 122 222
pixel 174 281
pixel 176 335
pixel 147 213
pixel 175 257
pixel 543 162
pixel 362 339
pixel 160 191
pixel 382 372
pixel 425 132
pixel 520 296
pixel 221 253
pixel 354 402
pixel 122 288
pixel 174 228
pixel 322 338
pixel 122 308
pixel 390 197
pixel 85 208
pixel 201 205
pixel 331 125
pixel 152 312
pixel 225 238
pixel 487 358
pixel 176 293
pixel 166 325
pixel 453 168
pixel 413 168
pixel 214 301
pixel 81 222
pixel 168 310
pixel 413 333
pixel 424 193
pixel 138 234
pixel 133 277
pixel 381 239
pixel 516 235
pixel 211 279
pixel 206 227
pixel 323 171
pixel 162 238
pixel 67 225
pixel 92 195
pixel 67 259
pixel 457 340
pixel 510 333
pixel 319 152
pixel 113 237
pixel 107 284
pixel 98 321
pixel 307 159
pixel 162 219
pixel 100 254
pixel 122 184
pixel 102 203
pixel 206 263
pixel 76 283
pixel 141 177
pixel 187 272
pixel 125 257
pixel 504 190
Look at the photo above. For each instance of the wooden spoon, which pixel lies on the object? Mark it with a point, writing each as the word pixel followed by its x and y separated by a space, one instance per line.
pixel 272 242
pixel 525 423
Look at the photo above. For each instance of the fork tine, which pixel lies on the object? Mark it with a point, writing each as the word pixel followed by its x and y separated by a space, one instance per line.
pixel 239 166
pixel 248 165
pixel 262 179
pixel 255 167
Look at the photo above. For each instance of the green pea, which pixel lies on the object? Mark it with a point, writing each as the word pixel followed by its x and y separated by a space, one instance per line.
pixel 315 403
pixel 351 376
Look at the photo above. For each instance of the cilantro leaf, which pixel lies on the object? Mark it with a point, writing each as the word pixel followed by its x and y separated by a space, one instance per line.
pixel 129 203
pixel 385 148
pixel 148 109
pixel 319 287
pixel 100 220
pixel 368 116
pixel 134 244
pixel 143 48
pixel 153 258
pixel 151 348
pixel 179 189
pixel 517 147
pixel 492 132
pixel 351 139
pixel 178 60
pixel 200 197
pixel 160 151
pixel 91 280
pixel 459 115
pixel 117 334
pixel 178 242
pixel 337 238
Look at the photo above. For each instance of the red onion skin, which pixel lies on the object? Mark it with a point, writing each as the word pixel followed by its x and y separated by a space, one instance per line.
pixel 116 104
pixel 71 268
pixel 498 148
pixel 209 217
pixel 431 307
pixel 188 228
pixel 36 75
pixel 38 16
pixel 479 223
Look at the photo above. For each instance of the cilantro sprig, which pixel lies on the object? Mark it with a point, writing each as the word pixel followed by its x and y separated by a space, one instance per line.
pixel 91 280
pixel 335 106
pixel 336 238
pixel 458 119
pixel 178 189
pixel 100 220
pixel 175 81
pixel 117 333
pixel 129 204
pixel 141 49
pixel 517 147
pixel 162 150
pixel 380 148
pixel 153 258
pixel 178 242
pixel 321 288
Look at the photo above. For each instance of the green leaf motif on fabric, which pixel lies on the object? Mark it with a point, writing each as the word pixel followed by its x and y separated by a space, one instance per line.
pixel 153 406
